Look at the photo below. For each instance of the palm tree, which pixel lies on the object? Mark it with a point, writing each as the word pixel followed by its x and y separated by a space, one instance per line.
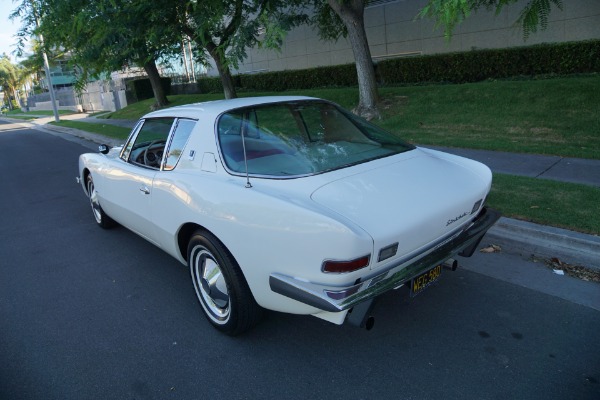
pixel 12 78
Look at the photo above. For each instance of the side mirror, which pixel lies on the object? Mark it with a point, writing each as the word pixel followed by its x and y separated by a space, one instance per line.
pixel 103 148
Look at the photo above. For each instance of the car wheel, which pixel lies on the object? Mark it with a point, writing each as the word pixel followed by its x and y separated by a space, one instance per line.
pixel 99 215
pixel 220 286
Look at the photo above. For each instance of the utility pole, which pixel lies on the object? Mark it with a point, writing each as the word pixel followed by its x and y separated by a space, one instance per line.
pixel 46 64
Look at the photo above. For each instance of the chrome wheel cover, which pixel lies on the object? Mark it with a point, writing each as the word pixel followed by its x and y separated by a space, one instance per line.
pixel 210 285
pixel 93 194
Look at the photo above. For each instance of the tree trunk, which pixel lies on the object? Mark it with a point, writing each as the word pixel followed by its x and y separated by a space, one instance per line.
pixel 154 76
pixel 185 63
pixel 224 72
pixel 352 15
pixel 17 98
pixel 10 105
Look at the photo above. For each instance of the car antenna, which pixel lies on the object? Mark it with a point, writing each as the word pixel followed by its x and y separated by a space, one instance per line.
pixel 248 184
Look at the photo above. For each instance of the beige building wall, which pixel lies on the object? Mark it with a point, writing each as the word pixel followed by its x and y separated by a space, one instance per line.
pixel 393 32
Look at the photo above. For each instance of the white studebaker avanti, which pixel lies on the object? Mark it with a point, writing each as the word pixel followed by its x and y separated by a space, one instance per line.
pixel 290 204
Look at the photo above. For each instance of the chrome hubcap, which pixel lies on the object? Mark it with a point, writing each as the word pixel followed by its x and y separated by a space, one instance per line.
pixel 210 285
pixel 94 202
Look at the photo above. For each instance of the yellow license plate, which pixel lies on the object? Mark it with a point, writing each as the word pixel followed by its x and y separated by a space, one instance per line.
pixel 426 279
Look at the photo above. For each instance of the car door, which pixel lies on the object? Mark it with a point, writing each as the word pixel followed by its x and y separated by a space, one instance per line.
pixel 131 178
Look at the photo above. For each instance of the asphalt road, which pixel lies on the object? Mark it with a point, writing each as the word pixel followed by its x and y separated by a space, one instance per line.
pixel 92 314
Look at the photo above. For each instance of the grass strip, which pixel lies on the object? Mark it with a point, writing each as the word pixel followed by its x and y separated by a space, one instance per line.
pixel 116 132
pixel 564 205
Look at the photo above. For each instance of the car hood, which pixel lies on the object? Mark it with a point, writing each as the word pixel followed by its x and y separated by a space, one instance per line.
pixel 414 200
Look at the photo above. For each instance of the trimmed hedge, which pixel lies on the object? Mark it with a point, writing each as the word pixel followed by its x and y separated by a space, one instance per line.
pixel 338 75
pixel 141 89
pixel 472 66
pixel 278 81
pixel 210 85
pixel 478 65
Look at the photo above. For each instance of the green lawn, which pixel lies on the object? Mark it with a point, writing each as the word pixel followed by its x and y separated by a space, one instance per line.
pixel 552 116
pixel 564 205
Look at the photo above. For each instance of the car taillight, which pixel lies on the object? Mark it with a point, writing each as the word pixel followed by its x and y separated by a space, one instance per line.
pixel 341 267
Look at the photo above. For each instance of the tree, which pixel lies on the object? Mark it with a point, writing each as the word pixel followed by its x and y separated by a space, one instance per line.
pixel 225 28
pixel 106 35
pixel 345 18
pixel 11 79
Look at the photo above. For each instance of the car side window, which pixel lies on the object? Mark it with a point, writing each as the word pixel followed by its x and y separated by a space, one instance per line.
pixel 181 134
pixel 148 146
pixel 129 144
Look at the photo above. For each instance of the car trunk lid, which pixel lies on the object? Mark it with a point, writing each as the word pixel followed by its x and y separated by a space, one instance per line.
pixel 412 201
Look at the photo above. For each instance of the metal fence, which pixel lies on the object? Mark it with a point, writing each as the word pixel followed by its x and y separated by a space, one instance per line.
pixel 105 95
pixel 108 95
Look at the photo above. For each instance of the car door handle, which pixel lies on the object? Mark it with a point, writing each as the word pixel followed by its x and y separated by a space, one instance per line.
pixel 145 190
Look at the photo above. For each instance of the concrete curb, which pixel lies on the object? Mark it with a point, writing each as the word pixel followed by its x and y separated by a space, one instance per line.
pixel 527 238
pixel 92 137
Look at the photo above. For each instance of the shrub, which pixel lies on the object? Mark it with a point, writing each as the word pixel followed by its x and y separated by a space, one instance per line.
pixel 337 75
pixel 209 85
pixel 141 89
pixel 477 65
pixel 471 66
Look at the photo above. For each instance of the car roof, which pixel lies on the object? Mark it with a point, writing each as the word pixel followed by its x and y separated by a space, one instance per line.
pixel 217 107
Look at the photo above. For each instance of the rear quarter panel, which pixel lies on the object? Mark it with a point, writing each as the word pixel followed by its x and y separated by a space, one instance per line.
pixel 265 230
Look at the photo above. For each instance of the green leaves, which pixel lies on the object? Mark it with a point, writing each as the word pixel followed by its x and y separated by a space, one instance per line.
pixel 329 24
pixel 226 28
pixel 104 35
pixel 536 14
pixel 11 77
pixel 449 13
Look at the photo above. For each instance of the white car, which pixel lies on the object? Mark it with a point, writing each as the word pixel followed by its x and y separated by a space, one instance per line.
pixel 290 204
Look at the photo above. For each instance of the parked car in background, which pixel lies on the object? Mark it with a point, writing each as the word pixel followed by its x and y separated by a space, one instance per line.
pixel 290 204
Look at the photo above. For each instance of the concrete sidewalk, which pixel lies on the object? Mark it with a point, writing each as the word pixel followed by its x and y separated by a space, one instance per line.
pixel 564 169
pixel 513 236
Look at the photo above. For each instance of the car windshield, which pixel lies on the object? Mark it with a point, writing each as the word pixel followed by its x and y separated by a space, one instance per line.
pixel 300 138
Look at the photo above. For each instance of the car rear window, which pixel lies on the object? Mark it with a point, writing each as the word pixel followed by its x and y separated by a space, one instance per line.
pixel 300 138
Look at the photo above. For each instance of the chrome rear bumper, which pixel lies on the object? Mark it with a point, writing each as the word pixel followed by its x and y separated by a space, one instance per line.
pixel 335 298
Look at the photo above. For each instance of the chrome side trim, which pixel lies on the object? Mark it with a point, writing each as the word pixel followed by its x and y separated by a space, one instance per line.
pixel 336 298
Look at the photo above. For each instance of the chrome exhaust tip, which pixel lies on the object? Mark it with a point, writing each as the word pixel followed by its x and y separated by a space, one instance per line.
pixel 450 264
